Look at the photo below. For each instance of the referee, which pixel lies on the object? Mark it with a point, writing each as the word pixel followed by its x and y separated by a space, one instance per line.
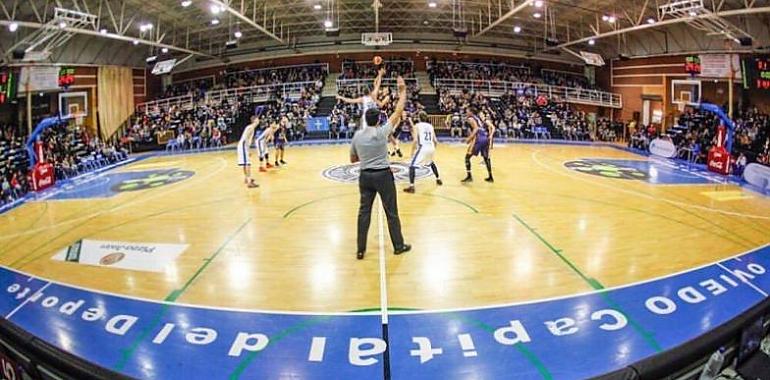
pixel 370 147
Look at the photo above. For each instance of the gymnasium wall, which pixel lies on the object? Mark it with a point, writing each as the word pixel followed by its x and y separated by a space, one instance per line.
pixel 650 78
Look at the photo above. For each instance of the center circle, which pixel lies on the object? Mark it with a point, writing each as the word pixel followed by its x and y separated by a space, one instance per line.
pixel 349 173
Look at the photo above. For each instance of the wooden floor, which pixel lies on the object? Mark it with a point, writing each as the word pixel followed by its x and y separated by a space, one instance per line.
pixel 540 231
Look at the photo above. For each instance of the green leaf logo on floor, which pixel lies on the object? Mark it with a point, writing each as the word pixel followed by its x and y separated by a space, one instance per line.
pixel 607 169
pixel 152 179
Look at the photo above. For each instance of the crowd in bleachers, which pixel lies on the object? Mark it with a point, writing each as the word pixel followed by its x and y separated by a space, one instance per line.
pixel 235 78
pixel 68 148
pixel 13 165
pixel 394 66
pixel 481 71
pixel 516 114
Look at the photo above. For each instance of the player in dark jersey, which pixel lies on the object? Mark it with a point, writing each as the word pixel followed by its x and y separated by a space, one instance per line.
pixel 479 141
pixel 280 142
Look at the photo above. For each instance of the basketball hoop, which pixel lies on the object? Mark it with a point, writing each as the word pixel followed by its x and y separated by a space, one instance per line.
pixel 681 106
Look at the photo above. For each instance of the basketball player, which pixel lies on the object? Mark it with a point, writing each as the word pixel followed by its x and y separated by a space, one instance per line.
pixel 243 152
pixel 265 137
pixel 479 141
pixel 423 149
pixel 280 142
pixel 367 101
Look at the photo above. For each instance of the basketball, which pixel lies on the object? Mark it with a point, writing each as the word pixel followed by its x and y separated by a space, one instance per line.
pixel 377 60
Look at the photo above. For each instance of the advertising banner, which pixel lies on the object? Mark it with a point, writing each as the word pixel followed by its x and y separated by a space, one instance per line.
pixel 147 257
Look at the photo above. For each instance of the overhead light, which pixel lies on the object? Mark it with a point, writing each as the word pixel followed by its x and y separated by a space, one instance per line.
pixel 605 18
pixel 164 50
pixel 186 3
pixel 215 9
pixel 537 15
pixel 611 19
pixel 238 34
pixel 432 4
pixel 232 44
pixel 62 24
pixel 592 42
pixel 317 7
pixel 328 23
pixel 12 27
pixel 136 42
pixel 145 27
pixel 516 29
pixel 539 3
pixel 650 20
pixel 215 21
pixel 103 31
pixel 693 14
pixel 151 59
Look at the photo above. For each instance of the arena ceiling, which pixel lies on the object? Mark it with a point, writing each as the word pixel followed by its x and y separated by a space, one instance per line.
pixel 628 27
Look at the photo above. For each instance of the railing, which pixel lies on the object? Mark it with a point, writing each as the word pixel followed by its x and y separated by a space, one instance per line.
pixel 155 106
pixel 347 64
pixel 258 94
pixel 567 94
pixel 368 83
pixel 325 66
pixel 565 72
pixel 484 64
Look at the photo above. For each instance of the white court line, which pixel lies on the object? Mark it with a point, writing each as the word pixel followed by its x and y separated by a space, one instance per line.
pixel 383 280
pixel 26 301
pixel 743 280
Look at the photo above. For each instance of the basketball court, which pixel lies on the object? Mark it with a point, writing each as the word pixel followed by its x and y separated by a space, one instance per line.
pixel 562 220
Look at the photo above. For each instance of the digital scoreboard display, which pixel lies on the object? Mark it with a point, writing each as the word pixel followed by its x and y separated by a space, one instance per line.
pixel 7 86
pixel 756 72
pixel 692 65
pixel 66 77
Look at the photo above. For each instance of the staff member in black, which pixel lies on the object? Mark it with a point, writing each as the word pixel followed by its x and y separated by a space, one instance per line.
pixel 370 147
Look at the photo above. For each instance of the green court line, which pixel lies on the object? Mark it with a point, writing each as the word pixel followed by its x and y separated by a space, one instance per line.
pixel 126 353
pixel 295 209
pixel 590 281
pixel 476 211
pixel 596 285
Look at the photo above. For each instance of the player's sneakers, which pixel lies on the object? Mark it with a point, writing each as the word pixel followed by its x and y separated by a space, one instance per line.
pixel 359 255
pixel 489 179
pixel 439 182
pixel 467 179
pixel 252 184
pixel 262 169
pixel 277 164
pixel 399 153
pixel 409 190
pixel 282 162
pixel 269 166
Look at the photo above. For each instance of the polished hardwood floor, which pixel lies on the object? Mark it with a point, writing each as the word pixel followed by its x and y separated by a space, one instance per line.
pixel 541 230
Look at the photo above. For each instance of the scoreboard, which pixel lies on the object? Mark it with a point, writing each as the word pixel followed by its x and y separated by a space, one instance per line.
pixel 66 77
pixel 756 72
pixel 692 65
pixel 7 86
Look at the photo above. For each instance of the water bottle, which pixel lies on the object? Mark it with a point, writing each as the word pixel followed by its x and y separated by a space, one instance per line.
pixel 714 365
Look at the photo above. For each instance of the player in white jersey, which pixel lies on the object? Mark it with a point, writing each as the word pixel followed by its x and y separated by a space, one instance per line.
pixel 263 139
pixel 423 149
pixel 243 151
pixel 367 101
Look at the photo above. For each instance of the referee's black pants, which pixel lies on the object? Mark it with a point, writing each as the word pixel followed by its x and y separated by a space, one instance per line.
pixel 371 183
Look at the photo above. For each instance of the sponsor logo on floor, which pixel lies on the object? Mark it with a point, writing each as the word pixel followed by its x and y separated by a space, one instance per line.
pixel 654 171
pixel 349 173
pixel 146 257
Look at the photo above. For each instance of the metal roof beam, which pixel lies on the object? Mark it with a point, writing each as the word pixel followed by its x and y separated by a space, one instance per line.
pixel 506 16
pixel 248 21
pixel 89 32
pixel 730 13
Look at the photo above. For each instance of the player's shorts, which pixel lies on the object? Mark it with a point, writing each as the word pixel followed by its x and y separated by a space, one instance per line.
pixel 280 143
pixel 262 148
pixel 243 154
pixel 423 155
pixel 480 147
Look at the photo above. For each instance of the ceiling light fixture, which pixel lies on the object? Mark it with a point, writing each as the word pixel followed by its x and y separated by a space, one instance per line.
pixel 164 50
pixel 215 9
pixel 432 4
pixel 238 34
pixel 650 20
pixel 537 15
pixel 62 24
pixel 145 27
pixel 12 27
pixel 516 29
pixel 103 31
pixel 328 23
pixel 539 3
pixel 186 3
pixel 317 7
pixel 215 21
pixel 592 42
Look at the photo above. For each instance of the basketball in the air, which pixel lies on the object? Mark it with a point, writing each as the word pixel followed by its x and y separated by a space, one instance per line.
pixel 377 60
